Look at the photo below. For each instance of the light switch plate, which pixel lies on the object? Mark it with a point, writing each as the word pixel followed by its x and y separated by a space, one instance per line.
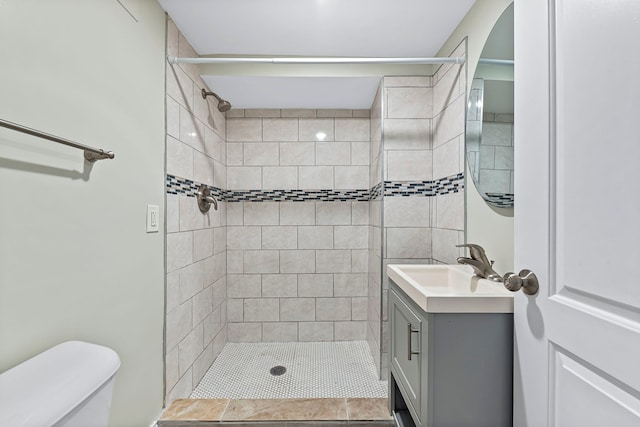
pixel 153 218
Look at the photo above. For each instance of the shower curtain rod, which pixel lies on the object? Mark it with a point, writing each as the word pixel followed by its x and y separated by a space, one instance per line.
pixel 317 60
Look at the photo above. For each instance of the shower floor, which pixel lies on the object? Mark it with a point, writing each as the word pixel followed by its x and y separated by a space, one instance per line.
pixel 313 370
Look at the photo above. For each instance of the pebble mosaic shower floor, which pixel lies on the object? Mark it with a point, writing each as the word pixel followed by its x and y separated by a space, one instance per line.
pixel 313 370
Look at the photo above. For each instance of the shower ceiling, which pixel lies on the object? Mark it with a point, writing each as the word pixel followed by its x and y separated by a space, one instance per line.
pixel 347 28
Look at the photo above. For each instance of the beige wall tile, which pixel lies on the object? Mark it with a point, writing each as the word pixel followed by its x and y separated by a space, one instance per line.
pixel 315 237
pixel 178 324
pixel 261 261
pixel 261 310
pixel 279 237
pixel 409 103
pixel 333 261
pixel 351 237
pixel 280 130
pixel 280 285
pixel 244 237
pixel 333 213
pixel 280 331
pixel 266 213
pixel 261 153
pixel 407 211
pixel 179 158
pixel 333 308
pixel 310 128
pixel 352 129
pixel 315 177
pixel 297 309
pixel 297 261
pixel 351 177
pixel 235 310
pixel 350 285
pixel 450 211
pixel 244 130
pixel 405 165
pixel 350 331
pixel 408 243
pixel 315 285
pixel 244 178
pixel 244 286
pixel 333 153
pixel 279 178
pixel 179 250
pixel 315 331
pixel 244 332
pixel 297 153
pixel 297 213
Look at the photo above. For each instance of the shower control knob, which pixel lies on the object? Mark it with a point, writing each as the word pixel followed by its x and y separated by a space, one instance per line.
pixel 525 280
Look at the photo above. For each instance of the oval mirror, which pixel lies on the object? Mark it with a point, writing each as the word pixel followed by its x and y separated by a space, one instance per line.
pixel 489 130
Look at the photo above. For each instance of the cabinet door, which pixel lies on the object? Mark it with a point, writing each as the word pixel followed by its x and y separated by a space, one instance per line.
pixel 406 341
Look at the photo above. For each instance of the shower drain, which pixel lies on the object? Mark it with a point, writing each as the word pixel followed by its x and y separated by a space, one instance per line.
pixel 277 370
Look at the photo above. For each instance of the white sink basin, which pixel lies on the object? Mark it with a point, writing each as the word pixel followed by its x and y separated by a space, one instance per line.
pixel 450 289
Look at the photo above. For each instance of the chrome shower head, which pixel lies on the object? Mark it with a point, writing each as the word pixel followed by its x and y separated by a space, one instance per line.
pixel 222 104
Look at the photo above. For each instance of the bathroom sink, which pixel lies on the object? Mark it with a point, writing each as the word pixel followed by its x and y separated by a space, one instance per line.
pixel 450 289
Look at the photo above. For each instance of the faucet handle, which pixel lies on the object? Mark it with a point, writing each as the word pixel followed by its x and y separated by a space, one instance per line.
pixel 476 251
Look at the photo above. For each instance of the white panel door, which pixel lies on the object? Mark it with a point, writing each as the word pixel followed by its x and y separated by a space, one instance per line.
pixel 577 213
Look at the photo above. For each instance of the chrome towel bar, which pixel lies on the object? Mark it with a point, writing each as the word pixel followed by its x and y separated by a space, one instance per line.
pixel 90 154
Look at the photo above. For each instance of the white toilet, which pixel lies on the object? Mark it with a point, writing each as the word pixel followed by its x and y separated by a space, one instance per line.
pixel 68 385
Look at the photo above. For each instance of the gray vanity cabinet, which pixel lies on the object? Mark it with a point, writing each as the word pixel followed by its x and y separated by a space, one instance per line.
pixel 449 369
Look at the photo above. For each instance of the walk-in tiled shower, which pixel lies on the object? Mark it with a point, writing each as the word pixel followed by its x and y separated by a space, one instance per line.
pixel 312 206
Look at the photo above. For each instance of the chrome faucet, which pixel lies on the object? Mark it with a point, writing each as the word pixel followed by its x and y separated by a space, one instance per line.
pixel 479 262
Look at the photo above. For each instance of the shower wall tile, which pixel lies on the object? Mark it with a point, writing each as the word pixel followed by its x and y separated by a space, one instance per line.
pixel 297 309
pixel 315 285
pixel 279 237
pixel 279 285
pixel 244 178
pixel 244 130
pixel 280 331
pixel 278 177
pixel 350 331
pixel 196 254
pixel 352 130
pixel 260 154
pixel 244 332
pixel 448 158
pixel 332 112
pixel 279 130
pixel 297 153
pixel 315 331
pixel 413 165
pixel 407 134
pixel 309 130
pixel 287 253
pixel 409 102
pixel 307 113
pixel 333 153
pixel 179 158
pixel 315 177
pixel 293 213
pixel 261 309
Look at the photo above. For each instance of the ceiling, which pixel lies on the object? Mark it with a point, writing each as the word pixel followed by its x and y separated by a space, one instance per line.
pixel 334 28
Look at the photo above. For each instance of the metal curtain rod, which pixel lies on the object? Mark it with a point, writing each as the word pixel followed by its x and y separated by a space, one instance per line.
pixel 90 154
pixel 317 60
pixel 495 61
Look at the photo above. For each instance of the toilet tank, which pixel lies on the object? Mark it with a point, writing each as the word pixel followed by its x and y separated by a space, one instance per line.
pixel 69 385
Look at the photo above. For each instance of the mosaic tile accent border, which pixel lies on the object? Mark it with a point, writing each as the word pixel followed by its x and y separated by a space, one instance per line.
pixel 439 187
pixel 446 185
pixel 297 195
pixel 503 200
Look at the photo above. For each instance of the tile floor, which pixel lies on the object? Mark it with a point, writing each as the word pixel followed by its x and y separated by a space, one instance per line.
pixel 314 370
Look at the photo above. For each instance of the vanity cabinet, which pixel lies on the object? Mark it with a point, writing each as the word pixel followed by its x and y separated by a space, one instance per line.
pixel 449 369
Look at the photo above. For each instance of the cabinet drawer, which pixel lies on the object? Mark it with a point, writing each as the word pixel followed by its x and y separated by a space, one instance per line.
pixel 406 351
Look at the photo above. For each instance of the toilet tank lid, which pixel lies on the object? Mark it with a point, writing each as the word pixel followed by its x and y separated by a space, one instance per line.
pixel 42 390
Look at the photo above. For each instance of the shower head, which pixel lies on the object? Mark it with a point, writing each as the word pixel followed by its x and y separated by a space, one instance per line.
pixel 222 104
